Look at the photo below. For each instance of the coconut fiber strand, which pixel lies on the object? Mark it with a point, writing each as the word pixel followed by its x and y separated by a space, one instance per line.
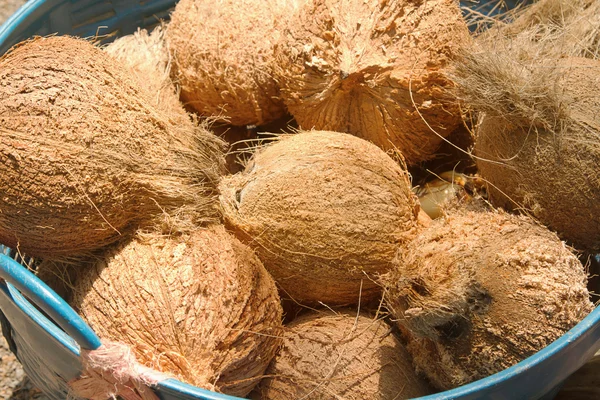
pixel 374 69
pixel 560 27
pixel 200 307
pixel 341 356
pixel 325 212
pixel 223 54
pixel 481 291
pixel 85 156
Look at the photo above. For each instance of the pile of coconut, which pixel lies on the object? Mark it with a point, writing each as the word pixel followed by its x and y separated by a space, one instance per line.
pixel 309 199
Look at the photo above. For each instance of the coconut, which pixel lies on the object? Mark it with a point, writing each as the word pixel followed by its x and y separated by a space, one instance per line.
pixel 148 57
pixel 86 158
pixel 374 69
pixel 200 307
pixel 481 291
pixel 222 52
pixel 537 139
pixel 329 355
pixel 325 212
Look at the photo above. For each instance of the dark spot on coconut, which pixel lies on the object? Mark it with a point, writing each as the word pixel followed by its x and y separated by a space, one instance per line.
pixel 478 299
pixel 456 327
pixel 344 75
pixel 238 195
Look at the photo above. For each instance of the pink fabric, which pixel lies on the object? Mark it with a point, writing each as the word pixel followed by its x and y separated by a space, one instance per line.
pixel 111 371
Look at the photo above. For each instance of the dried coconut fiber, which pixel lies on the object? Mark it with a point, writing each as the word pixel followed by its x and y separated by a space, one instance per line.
pixel 561 28
pixel 374 69
pixel 223 52
pixel 200 307
pixel 325 212
pixel 85 156
pixel 148 56
pixel 345 355
pixel 537 141
pixel 481 291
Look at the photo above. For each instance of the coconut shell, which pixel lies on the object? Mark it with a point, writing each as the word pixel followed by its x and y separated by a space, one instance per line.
pixel 481 291
pixel 200 307
pixel 325 212
pixel 85 156
pixel 342 356
pixel 374 69
pixel 550 171
pixel 222 53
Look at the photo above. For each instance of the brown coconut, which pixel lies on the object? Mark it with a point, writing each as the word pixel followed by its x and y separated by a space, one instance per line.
pixel 325 212
pixel 374 69
pixel 222 57
pixel 85 156
pixel 149 58
pixel 200 307
pixel 341 356
pixel 481 291
pixel 537 141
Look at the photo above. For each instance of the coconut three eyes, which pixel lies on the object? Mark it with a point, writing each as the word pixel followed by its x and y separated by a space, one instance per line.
pixel 325 212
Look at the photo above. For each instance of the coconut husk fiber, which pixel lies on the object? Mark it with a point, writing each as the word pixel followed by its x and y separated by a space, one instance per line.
pixel 537 139
pixel 85 156
pixel 344 355
pixel 149 58
pixel 481 291
pixel 200 307
pixel 325 212
pixel 222 56
pixel 560 27
pixel 374 69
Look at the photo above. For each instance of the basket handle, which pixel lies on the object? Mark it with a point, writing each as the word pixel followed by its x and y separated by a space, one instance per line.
pixel 51 303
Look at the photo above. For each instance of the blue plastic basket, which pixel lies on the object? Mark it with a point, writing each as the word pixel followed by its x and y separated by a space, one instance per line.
pixel 48 343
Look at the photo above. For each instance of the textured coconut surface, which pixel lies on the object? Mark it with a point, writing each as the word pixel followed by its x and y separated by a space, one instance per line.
pixel 374 69
pixel 148 56
pixel 481 291
pixel 223 52
pixel 200 307
pixel 87 156
pixel 343 355
pixel 325 212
